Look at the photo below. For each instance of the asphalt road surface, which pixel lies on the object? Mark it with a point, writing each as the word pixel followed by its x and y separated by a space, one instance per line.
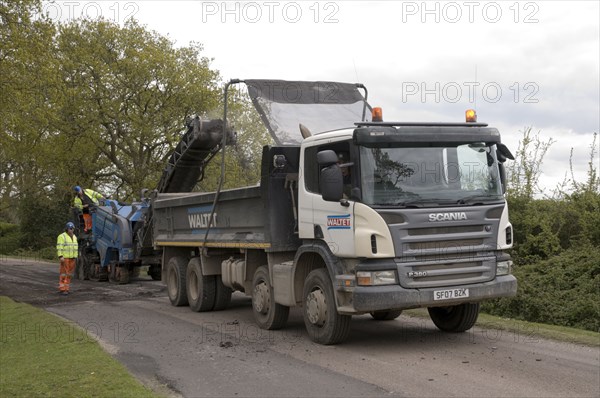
pixel 224 354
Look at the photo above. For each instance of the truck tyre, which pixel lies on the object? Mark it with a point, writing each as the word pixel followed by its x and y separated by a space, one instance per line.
pixel 79 268
pixel 134 272
pixel 176 288
pixel 201 289
pixel 322 321
pixel 94 272
pixel 267 313
pixel 456 318
pixel 118 274
pixel 155 272
pixel 386 315
pixel 102 273
pixel 82 266
pixel 223 294
pixel 123 275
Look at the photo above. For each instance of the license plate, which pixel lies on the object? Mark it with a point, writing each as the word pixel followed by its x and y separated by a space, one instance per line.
pixel 449 294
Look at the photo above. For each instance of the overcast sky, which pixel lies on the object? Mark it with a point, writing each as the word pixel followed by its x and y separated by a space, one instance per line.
pixel 519 63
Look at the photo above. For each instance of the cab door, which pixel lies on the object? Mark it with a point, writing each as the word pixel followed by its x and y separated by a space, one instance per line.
pixel 333 222
pixel 336 222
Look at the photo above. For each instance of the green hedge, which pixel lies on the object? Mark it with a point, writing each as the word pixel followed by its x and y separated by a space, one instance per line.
pixel 562 290
pixel 544 228
pixel 557 260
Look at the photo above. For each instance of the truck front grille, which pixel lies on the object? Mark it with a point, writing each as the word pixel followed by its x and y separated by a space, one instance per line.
pixel 446 244
pixel 446 255
pixel 433 273
pixel 445 230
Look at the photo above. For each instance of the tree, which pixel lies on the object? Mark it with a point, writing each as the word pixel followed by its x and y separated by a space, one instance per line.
pixel 524 173
pixel 28 82
pixel 126 95
pixel 88 103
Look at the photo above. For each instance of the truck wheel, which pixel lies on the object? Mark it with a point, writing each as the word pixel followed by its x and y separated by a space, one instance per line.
pixel 134 272
pixel 94 272
pixel 102 273
pixel 200 289
pixel 456 318
pixel 223 294
pixel 386 315
pixel 267 313
pixel 118 274
pixel 124 273
pixel 79 268
pixel 82 267
pixel 176 288
pixel 323 323
pixel 154 272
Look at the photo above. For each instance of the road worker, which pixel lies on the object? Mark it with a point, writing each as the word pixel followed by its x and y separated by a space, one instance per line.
pixel 67 249
pixel 84 199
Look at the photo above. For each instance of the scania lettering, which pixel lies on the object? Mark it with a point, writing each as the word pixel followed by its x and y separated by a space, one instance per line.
pixel 447 216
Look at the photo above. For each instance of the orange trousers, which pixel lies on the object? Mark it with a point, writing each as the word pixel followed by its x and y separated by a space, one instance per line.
pixel 87 220
pixel 67 268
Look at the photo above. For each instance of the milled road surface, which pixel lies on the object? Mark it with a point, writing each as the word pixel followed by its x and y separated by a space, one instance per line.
pixel 224 354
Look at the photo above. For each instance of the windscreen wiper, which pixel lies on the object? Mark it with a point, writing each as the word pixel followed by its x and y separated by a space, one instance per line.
pixel 410 203
pixel 410 199
pixel 477 199
pixel 402 199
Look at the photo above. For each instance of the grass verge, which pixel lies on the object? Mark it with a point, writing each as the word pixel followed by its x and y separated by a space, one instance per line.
pixel 530 330
pixel 43 355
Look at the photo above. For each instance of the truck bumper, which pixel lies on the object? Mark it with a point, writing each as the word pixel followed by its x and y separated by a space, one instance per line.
pixel 377 298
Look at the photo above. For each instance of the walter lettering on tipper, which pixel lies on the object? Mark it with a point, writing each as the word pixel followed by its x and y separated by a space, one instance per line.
pixel 199 217
pixel 339 222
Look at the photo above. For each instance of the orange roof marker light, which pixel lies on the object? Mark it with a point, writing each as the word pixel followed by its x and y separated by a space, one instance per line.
pixel 377 115
pixel 471 116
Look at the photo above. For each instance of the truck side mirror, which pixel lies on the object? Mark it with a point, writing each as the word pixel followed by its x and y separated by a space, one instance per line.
pixel 502 177
pixel 331 181
pixel 503 153
pixel 326 158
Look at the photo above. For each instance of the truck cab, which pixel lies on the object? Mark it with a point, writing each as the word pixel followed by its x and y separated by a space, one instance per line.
pixel 425 225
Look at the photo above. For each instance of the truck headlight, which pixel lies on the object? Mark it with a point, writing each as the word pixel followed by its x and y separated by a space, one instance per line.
pixel 503 267
pixel 375 278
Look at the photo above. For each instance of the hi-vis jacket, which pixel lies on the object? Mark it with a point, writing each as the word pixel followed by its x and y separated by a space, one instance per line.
pixel 66 246
pixel 92 195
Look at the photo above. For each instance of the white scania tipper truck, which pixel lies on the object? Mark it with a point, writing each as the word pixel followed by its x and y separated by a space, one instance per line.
pixel 414 216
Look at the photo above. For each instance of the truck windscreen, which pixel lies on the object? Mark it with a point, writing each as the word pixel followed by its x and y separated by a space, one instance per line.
pixel 419 176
